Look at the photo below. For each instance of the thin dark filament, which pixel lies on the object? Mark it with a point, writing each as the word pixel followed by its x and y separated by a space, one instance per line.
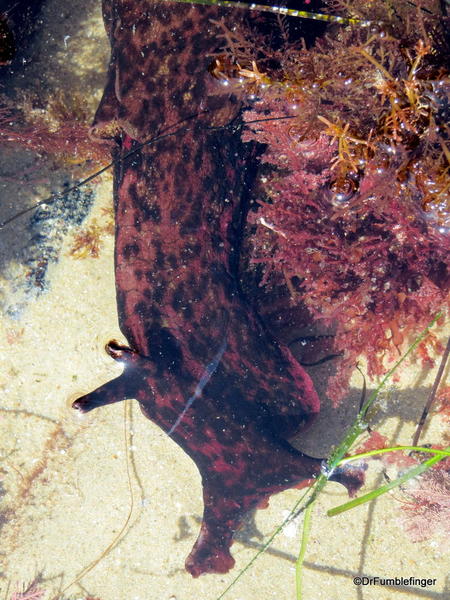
pixel 54 197
pixel 432 396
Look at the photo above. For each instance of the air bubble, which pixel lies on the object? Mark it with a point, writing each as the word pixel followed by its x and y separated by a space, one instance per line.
pixel 326 469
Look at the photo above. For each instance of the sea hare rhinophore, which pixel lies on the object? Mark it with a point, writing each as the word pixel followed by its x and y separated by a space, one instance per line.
pixel 199 361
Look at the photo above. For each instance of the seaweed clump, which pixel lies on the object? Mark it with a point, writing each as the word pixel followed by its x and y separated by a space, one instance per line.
pixel 356 214
pixel 55 136
pixel 60 131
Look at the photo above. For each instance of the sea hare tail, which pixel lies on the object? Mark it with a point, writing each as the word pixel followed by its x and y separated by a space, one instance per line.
pixel 211 552
pixel 229 495
pixel 227 501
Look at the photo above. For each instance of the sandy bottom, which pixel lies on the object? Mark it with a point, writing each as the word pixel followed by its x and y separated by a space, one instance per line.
pixel 107 506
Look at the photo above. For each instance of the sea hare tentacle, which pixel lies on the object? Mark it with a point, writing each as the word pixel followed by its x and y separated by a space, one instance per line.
pixel 200 363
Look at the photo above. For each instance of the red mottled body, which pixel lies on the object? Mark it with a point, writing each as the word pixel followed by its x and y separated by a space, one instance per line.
pixel 192 336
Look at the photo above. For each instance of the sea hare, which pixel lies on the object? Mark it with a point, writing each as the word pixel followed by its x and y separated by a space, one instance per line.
pixel 199 361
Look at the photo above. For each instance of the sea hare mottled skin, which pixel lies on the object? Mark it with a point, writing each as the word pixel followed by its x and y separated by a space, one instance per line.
pixel 199 362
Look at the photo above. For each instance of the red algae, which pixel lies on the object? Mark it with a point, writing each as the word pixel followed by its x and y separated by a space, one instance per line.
pixel 426 514
pixel 60 130
pixel 356 213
